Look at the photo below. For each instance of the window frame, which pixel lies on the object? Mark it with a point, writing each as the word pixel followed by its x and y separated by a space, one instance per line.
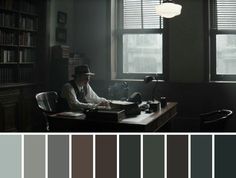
pixel 119 37
pixel 212 46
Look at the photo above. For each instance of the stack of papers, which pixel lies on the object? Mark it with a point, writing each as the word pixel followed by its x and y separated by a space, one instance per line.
pixel 77 115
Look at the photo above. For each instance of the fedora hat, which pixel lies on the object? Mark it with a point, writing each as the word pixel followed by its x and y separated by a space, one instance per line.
pixel 82 70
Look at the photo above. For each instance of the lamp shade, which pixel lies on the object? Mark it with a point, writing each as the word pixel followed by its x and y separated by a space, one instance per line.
pixel 168 9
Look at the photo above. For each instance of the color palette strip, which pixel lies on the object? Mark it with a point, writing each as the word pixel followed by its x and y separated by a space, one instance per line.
pixel 117 156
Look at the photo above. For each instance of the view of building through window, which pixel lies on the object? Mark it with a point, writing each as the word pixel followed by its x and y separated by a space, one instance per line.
pixel 142 53
pixel 226 54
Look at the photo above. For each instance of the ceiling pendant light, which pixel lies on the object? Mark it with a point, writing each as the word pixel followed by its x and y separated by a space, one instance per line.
pixel 168 9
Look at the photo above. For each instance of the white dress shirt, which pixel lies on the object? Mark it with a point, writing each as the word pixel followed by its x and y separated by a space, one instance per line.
pixel 91 97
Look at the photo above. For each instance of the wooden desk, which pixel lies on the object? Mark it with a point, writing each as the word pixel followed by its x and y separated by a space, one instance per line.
pixel 145 122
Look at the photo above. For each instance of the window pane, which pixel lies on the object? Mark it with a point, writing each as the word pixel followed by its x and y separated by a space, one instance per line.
pixel 226 54
pixel 142 53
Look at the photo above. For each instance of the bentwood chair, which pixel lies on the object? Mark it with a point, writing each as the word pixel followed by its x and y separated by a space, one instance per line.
pixel 215 121
pixel 47 103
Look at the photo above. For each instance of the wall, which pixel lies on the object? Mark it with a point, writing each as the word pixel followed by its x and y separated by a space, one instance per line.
pixel 186 40
pixel 66 6
pixel 91 34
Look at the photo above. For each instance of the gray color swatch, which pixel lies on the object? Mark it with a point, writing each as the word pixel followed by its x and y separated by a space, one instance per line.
pixel 34 156
pixel 58 156
pixel 225 156
pixel 201 156
pixel 153 156
pixel 129 156
pixel 10 156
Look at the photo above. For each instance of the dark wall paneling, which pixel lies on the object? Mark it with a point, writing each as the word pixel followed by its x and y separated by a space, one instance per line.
pixel 106 156
pixel 82 156
pixel 129 156
pixel 58 156
pixel 10 156
pixel 201 156
pixel 153 156
pixel 34 156
pixel 225 156
pixel 177 156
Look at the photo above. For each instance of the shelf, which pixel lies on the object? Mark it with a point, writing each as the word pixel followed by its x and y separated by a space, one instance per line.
pixel 8 45
pixel 12 85
pixel 8 63
pixel 27 30
pixel 19 12
pixel 23 46
pixel 9 28
pixel 27 63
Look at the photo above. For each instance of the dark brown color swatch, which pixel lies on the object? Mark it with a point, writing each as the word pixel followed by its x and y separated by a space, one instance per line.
pixel 106 159
pixel 82 156
pixel 177 156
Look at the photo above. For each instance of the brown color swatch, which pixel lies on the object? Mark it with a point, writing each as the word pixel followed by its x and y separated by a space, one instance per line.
pixel 106 159
pixel 177 156
pixel 82 156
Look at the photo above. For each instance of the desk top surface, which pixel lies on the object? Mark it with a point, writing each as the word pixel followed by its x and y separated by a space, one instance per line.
pixel 141 119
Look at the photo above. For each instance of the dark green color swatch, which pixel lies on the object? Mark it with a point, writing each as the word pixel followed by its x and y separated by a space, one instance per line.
pixel 129 156
pixel 225 156
pixel 177 156
pixel 201 156
pixel 153 156
pixel 58 156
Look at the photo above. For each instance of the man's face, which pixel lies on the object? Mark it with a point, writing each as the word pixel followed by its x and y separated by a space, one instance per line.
pixel 84 79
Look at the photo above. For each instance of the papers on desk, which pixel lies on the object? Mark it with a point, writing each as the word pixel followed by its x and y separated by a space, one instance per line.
pixel 74 115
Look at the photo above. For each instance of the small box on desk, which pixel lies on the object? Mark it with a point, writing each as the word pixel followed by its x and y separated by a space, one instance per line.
pixel 105 115
pixel 131 108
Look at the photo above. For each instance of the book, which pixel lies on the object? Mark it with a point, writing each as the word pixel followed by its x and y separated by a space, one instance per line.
pixel 74 115
pixel 105 115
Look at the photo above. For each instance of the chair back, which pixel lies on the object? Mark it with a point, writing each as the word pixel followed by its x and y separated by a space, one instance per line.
pixel 47 101
pixel 215 120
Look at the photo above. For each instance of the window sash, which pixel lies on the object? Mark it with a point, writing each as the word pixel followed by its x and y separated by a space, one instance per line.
pixel 222 21
pixel 122 31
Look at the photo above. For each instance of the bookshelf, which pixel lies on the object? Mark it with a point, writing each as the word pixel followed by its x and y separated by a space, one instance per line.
pixel 23 61
pixel 18 41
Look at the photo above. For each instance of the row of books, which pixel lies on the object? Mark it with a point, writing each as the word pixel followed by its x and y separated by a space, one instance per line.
pixel 7 75
pixel 27 55
pixel 25 22
pixel 8 38
pixel 23 5
pixel 28 23
pixel 8 20
pixel 7 56
pixel 26 75
pixel 27 39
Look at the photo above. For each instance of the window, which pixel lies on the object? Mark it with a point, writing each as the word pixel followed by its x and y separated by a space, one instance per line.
pixel 223 39
pixel 139 39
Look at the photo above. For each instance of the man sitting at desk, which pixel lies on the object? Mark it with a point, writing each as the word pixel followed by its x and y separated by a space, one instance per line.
pixel 78 94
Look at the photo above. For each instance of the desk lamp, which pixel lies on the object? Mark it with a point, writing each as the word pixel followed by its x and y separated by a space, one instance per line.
pixel 148 79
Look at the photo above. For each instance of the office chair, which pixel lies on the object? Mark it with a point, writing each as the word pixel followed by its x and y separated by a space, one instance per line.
pixel 47 103
pixel 214 121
